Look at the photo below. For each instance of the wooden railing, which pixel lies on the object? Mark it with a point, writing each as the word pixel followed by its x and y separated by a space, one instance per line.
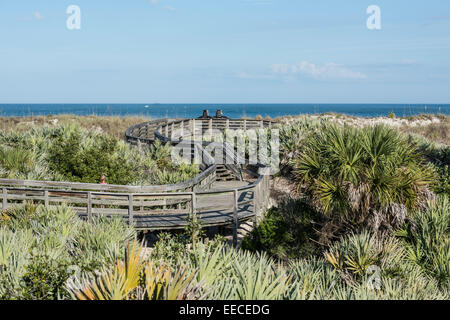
pixel 135 206
pixel 188 129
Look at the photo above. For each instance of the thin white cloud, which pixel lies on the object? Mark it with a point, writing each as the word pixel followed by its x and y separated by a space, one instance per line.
pixel 170 8
pixel 35 16
pixel 246 75
pixel 38 16
pixel 328 70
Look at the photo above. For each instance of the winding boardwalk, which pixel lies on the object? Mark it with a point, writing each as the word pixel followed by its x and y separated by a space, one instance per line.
pixel 165 207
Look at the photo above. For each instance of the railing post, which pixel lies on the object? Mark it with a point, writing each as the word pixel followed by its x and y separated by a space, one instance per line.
pixel 210 127
pixel 266 187
pixel 235 218
pixel 46 202
pixel 260 204
pixel 263 191
pixel 193 206
pixel 5 199
pixel 130 208
pixel 255 206
pixel 89 206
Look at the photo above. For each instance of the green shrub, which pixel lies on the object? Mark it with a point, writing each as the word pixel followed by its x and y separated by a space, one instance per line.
pixel 312 278
pixel 364 177
pixel 292 141
pixel 170 248
pixel 287 231
pixel 442 185
pixel 72 153
pixel 269 235
pixel 80 163
pixel 219 272
pixel 40 248
pixel 45 279
pixel 257 278
pixel 354 255
pixel 225 273
pixel 427 239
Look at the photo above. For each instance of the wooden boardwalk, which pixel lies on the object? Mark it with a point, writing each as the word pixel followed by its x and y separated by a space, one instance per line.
pixel 214 203
pixel 211 210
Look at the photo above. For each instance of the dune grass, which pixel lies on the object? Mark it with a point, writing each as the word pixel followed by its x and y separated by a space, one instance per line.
pixel 112 125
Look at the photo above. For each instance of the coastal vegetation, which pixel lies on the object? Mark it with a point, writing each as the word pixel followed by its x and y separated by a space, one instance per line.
pixel 112 125
pixel 41 249
pixel 52 254
pixel 362 194
pixel 69 152
pixel 369 219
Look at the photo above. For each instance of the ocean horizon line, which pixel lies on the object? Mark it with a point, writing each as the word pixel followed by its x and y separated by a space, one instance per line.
pixel 232 110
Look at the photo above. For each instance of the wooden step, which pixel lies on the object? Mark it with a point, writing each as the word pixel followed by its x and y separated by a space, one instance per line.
pixel 223 174
pixel 244 229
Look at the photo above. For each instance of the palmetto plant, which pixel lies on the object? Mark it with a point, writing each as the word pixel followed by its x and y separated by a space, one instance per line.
pixel 117 283
pixel 211 262
pixel 16 162
pixel 213 271
pixel 258 279
pixel 14 256
pixel 369 175
pixel 427 239
pixel 292 139
pixel 37 244
pixel 133 278
pixel 312 279
pixel 354 253
pixel 164 283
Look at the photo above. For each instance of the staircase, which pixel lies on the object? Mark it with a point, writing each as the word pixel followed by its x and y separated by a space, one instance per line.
pixel 244 229
pixel 224 174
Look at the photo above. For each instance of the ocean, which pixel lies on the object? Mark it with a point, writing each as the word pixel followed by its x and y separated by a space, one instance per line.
pixel 273 110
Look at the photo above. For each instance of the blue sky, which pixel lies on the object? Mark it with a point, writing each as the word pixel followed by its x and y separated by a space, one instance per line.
pixel 217 51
